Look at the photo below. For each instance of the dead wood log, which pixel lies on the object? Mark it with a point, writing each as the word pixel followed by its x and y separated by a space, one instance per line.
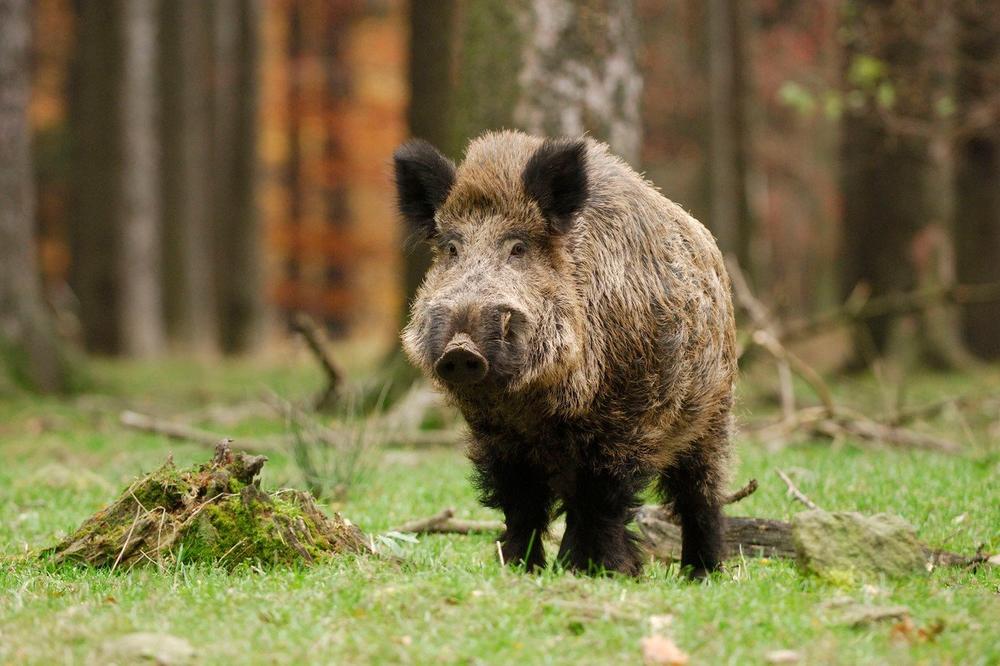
pixel 754 537
pixel 661 532
pixel 751 537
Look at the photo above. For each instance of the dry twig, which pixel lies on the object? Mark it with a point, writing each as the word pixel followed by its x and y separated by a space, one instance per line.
pixel 795 492
pixel 829 420
pixel 749 489
pixel 315 337
pixel 890 304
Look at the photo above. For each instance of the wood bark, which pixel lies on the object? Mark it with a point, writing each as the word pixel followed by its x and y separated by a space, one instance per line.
pixel 139 277
pixel 977 172
pixel 188 258
pixel 239 288
pixel 95 120
pixel 430 66
pixel 432 34
pixel 752 537
pixel 882 173
pixel 579 72
pixel 553 68
pixel 28 345
pixel 729 217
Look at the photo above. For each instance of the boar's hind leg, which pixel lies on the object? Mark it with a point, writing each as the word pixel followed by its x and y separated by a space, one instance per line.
pixel 522 492
pixel 692 483
pixel 598 510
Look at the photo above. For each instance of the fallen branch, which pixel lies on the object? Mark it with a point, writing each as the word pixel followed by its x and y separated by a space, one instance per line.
pixel 445 523
pixel 766 336
pixel 829 420
pixel 867 429
pixel 181 432
pixel 316 339
pixel 749 489
pixel 385 432
pixel 814 422
pixel 422 525
pixel 961 402
pixel 795 492
pixel 890 304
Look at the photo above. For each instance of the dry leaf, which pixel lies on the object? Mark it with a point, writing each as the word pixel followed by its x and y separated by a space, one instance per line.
pixel 905 631
pixel 658 623
pixel 783 657
pixel 661 651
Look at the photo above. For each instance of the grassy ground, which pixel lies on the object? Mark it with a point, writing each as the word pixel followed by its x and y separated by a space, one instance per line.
pixel 449 600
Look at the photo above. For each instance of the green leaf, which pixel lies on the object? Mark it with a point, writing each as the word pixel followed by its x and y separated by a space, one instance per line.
pixel 885 95
pixel 866 71
pixel 797 97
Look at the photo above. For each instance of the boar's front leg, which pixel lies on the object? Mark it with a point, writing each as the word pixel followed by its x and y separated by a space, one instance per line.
pixel 598 509
pixel 521 490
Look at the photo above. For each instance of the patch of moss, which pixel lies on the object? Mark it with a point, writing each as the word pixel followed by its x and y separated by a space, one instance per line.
pixel 216 514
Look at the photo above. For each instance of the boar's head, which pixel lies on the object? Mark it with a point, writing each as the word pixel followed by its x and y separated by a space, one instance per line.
pixel 498 309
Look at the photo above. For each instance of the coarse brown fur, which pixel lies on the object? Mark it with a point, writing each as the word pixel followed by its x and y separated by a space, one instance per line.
pixel 604 314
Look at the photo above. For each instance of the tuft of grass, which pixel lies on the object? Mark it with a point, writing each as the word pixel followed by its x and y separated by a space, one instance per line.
pixel 332 463
pixel 446 599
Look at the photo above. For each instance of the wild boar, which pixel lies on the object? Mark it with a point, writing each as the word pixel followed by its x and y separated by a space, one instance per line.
pixel 583 324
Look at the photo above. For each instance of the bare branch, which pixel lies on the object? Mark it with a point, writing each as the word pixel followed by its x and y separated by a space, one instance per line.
pixel 795 492
pixel 316 338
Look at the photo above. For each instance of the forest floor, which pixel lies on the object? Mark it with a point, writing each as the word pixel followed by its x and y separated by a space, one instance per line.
pixel 447 599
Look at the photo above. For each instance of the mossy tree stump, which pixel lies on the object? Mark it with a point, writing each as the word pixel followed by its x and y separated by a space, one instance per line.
pixel 215 513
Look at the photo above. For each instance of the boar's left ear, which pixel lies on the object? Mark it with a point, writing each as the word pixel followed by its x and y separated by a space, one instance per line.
pixel 423 178
pixel 556 178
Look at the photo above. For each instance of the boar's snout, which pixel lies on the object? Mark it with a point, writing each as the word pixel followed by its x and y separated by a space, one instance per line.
pixel 461 363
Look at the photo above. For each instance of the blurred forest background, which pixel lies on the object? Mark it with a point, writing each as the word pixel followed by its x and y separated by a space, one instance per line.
pixel 183 176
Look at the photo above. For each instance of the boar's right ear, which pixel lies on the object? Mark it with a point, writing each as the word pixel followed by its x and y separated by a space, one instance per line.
pixel 423 178
pixel 556 178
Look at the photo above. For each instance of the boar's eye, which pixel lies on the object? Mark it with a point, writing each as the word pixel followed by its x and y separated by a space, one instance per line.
pixel 518 249
pixel 452 249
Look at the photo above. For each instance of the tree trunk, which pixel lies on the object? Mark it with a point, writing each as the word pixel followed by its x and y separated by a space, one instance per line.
pixel 29 350
pixel 190 295
pixel 549 67
pixel 431 61
pixel 139 279
pixel 730 216
pixel 977 171
pixel 882 173
pixel 579 72
pixel 95 119
pixel 238 254
pixel 432 30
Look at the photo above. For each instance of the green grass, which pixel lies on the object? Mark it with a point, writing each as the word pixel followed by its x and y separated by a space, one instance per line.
pixel 449 600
